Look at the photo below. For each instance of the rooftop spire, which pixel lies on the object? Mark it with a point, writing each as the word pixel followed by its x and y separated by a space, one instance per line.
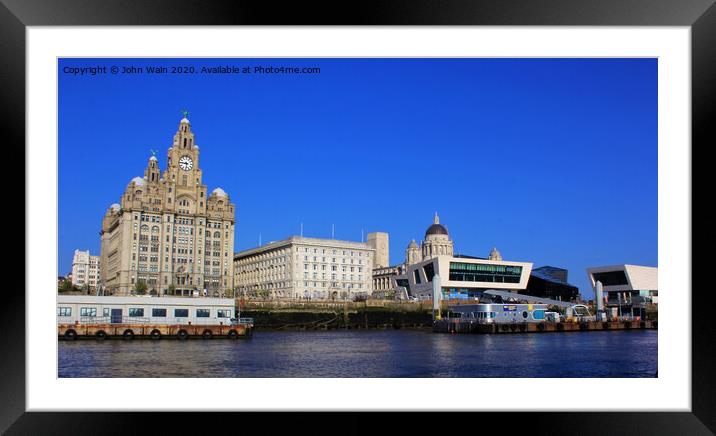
pixel 436 220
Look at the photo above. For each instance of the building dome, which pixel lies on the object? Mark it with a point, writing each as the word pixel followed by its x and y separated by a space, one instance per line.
pixel 115 207
pixel 413 244
pixel 154 158
pixel 436 228
pixel 494 254
pixel 138 181
pixel 219 192
pixel 184 120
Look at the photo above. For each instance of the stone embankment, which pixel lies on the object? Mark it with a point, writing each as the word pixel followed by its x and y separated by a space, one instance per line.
pixel 278 315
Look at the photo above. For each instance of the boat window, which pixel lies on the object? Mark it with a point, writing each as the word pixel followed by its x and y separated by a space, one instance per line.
pixel 538 314
pixel 181 313
pixel 64 311
pixel 136 311
pixel 202 313
pixel 88 311
pixel 524 314
pixel 223 313
pixel 160 313
pixel 492 314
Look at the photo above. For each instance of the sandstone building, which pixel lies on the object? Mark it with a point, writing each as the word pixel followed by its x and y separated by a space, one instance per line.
pixel 168 231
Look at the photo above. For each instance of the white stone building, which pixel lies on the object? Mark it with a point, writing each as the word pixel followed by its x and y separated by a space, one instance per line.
pixel 85 270
pixel 305 268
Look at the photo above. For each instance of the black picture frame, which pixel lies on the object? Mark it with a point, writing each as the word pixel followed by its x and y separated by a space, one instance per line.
pixel 16 15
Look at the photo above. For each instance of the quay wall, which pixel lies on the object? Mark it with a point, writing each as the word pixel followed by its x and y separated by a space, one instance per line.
pixel 455 326
pixel 344 315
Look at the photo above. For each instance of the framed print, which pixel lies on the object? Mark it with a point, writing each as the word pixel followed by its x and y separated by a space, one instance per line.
pixel 468 207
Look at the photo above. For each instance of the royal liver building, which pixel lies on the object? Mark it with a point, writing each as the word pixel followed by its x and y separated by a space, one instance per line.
pixel 167 232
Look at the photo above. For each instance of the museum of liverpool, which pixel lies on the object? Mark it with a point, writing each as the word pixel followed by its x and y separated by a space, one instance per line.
pixel 467 277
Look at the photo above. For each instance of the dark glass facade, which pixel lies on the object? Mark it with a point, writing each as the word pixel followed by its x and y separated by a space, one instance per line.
pixel 478 272
pixel 554 290
pixel 403 283
pixel 611 278
pixel 429 272
pixel 416 274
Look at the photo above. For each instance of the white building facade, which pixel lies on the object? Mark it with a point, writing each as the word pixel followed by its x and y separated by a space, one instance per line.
pixel 463 277
pixel 85 270
pixel 305 268
pixel 628 288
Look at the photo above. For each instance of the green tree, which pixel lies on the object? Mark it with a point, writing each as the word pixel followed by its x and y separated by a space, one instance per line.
pixel 66 286
pixel 171 290
pixel 140 288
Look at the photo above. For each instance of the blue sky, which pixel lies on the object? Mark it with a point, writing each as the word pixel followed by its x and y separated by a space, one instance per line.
pixel 553 161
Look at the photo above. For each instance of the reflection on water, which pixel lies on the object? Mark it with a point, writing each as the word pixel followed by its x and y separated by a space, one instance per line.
pixel 398 353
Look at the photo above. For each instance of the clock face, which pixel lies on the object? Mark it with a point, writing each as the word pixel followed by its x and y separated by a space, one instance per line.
pixel 186 163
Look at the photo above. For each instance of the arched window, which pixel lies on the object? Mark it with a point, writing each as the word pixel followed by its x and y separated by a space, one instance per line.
pixel 217 234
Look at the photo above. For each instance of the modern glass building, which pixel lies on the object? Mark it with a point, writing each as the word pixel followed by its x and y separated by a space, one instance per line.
pixel 463 277
pixel 551 282
pixel 627 288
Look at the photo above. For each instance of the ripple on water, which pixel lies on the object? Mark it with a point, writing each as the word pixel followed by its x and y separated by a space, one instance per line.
pixel 372 353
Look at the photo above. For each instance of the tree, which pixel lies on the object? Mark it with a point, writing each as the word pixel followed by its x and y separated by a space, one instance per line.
pixel 171 290
pixel 140 288
pixel 66 286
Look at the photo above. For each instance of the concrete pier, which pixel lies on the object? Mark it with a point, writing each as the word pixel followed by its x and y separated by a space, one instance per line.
pixel 446 325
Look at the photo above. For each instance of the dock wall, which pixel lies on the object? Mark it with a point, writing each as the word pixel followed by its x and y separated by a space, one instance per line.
pixel 455 326
pixel 327 316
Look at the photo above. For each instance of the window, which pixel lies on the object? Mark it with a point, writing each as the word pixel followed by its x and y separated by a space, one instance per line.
pixel 181 313
pixel 524 314
pixel 611 278
pixel 223 313
pixel 202 313
pixel 136 311
pixel 416 274
pixel 429 270
pixel 479 272
pixel 160 313
pixel 64 311
pixel 105 311
pixel 88 311
pixel 538 314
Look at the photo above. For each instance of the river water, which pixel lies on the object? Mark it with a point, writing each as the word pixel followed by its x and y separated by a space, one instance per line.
pixel 369 353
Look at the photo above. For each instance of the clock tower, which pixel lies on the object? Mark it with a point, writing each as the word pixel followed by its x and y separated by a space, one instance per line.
pixel 168 232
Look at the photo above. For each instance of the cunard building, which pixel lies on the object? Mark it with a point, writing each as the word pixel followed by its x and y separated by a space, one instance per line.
pixel 167 231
